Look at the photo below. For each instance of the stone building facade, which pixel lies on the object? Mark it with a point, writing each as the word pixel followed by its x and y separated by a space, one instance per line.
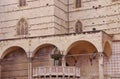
pixel 85 33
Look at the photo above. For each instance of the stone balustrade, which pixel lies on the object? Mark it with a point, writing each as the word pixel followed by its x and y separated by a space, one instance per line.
pixel 56 71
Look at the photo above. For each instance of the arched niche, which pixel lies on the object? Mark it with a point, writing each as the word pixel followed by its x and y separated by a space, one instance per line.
pixel 22 27
pixel 78 27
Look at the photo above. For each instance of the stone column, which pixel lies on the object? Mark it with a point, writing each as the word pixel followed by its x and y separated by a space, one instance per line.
pixel 101 66
pixel 63 64
pixel 30 68
pixel 63 61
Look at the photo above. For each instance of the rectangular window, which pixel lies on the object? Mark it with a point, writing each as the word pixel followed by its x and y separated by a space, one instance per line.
pixel 22 2
pixel 78 3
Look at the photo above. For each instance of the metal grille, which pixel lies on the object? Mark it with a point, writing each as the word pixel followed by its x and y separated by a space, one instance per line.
pixel 115 78
pixel 112 64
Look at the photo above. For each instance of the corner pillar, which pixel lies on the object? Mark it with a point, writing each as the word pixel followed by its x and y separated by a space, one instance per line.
pixel 101 66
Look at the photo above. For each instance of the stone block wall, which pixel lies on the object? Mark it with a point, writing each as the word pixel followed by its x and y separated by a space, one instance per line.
pixel 100 14
pixel 61 16
pixel 56 16
pixel 44 17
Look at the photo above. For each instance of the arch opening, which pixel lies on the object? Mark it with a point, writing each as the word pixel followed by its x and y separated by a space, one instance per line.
pixel 14 64
pixel 12 49
pixel 83 54
pixel 43 56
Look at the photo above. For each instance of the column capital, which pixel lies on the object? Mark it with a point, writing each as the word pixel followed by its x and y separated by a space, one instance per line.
pixel 62 52
pixel 101 54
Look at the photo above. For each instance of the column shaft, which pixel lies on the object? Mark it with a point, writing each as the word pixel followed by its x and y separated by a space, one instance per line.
pixel 30 69
pixel 101 66
pixel 63 61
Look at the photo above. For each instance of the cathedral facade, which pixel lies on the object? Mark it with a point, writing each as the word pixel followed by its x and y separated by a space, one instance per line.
pixel 60 39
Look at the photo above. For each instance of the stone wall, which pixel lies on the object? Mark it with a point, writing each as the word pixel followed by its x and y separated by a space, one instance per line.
pixel 38 13
pixel 56 16
pixel 61 16
pixel 99 14
pixel 62 42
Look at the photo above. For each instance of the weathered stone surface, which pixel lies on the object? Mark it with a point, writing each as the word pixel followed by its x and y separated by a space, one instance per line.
pixel 45 19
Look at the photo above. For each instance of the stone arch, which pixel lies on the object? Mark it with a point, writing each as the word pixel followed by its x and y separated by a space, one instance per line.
pixel 78 27
pixel 107 49
pixel 42 55
pixel 84 42
pixel 42 45
pixel 10 49
pixel 14 63
pixel 83 54
pixel 22 27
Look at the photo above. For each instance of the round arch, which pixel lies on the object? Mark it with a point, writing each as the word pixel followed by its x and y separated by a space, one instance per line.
pixel 107 49
pixel 83 54
pixel 85 46
pixel 41 46
pixel 43 55
pixel 10 49
pixel 11 57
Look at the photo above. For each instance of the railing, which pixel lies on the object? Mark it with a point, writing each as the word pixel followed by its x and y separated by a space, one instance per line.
pixel 56 71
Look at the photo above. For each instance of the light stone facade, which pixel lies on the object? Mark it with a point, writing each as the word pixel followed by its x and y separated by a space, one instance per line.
pixel 51 23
